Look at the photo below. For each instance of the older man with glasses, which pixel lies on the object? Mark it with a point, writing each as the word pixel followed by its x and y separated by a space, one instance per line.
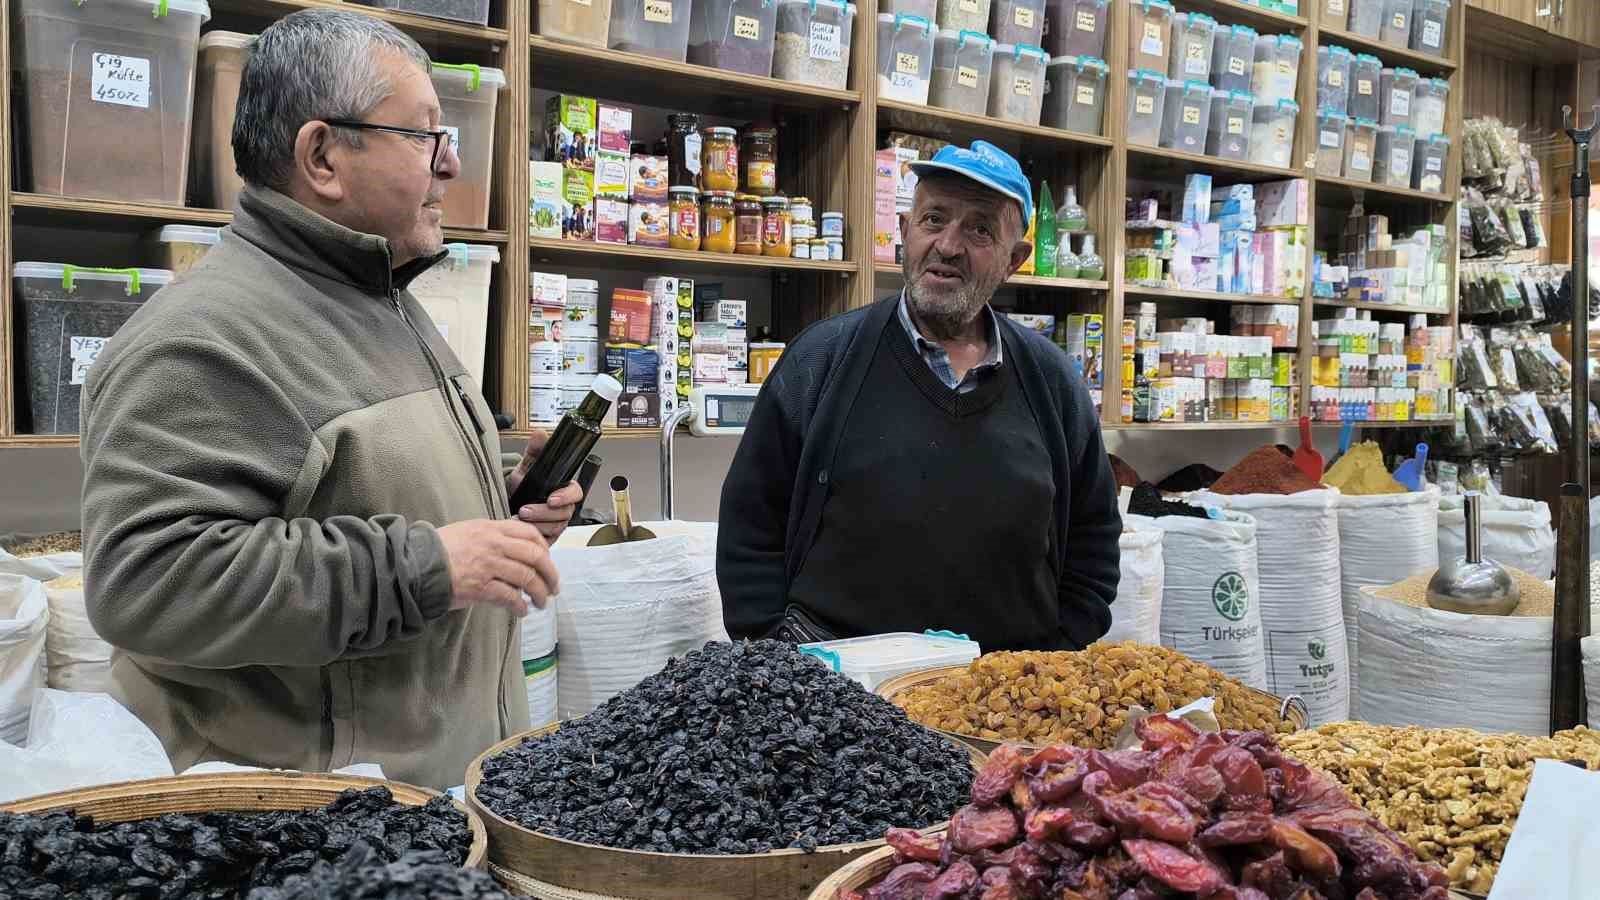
pixel 295 515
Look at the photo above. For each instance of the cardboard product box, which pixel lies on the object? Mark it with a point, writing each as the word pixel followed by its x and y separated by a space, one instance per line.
pixel 905 179
pixel 1197 198
pixel 1203 273
pixel 710 368
pixel 1284 202
pixel 647 224
pixel 647 178
pixel 636 410
pixel 1279 408
pixel 611 177
pixel 1093 350
pixel 545 192
pixel 611 220
pixel 763 356
pixel 548 289
pixel 732 313
pixel 885 226
pixel 615 125
pixel 631 317
pixel 1199 240
pixel 577 204
pixel 1279 322
pixel 1072 340
pixel 1045 325
pixel 685 358
pixel 1242 320
pixel 1239 222
pixel 1233 206
pixel 738 349
pixel 569 131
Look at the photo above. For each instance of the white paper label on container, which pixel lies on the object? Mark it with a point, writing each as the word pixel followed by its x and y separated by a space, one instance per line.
pixel 122 80
pixel 825 42
pixel 747 28
pixel 1023 17
pixel 908 63
pixel 966 76
pixel 1432 33
pixel 1336 6
pixel 968 6
pixel 1399 21
pixel 1284 68
pixel 1399 160
pixel 1361 159
pixel 1151 44
pixel 1144 106
pixel 1329 139
pixel 1433 164
pixel 1236 124
pixel 84 351
pixel 1236 65
pixel 903 82
pixel 1087 21
pixel 1335 78
pixel 1399 102
pixel 1022 86
pixel 1364 87
pixel 1191 115
pixel 658 11
pixel 1085 95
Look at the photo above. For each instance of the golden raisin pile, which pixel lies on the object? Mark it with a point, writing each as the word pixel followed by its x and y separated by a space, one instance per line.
pixel 1452 793
pixel 1080 697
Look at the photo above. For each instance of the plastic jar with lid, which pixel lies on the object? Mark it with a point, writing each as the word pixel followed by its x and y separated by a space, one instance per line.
pixel 759 154
pixel 819 248
pixel 1395 29
pixel 799 250
pixel 800 210
pixel 1392 164
pixel 1333 79
pixel 1366 17
pixel 798 230
pixel 719 159
pixel 683 150
pixel 963 15
pixel 1017 21
pixel 1333 13
pixel 1277 67
pixel 733 35
pixel 1016 88
pixel 835 247
pixel 1233 54
pixel 658 28
pixel 1149 29
pixel 776 239
pixel 718 223
pixel 962 62
pixel 905 57
pixel 1075 94
pixel 1193 38
pixel 1077 27
pixel 1272 136
pixel 1147 93
pixel 1430 21
pixel 1428 101
pixel 922 9
pixel 1185 116
pixel 813 42
pixel 1366 76
pixel 832 225
pixel 1396 88
pixel 1331 126
pixel 748 220
pixel 575 21
pixel 1360 144
pixel 1428 161
pixel 683 232
pixel 1232 120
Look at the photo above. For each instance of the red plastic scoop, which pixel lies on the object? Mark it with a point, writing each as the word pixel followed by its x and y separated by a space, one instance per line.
pixel 1306 457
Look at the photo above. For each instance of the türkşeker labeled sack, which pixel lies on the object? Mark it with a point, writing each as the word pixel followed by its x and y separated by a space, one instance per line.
pixel 1516 532
pixel 1210 609
pixel 1136 614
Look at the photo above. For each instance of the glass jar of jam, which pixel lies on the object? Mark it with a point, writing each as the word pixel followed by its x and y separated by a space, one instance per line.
pixel 719 223
pixel 760 156
pixel 776 239
pixel 719 159
pixel 748 219
pixel 684 233
pixel 683 150
pixel 800 210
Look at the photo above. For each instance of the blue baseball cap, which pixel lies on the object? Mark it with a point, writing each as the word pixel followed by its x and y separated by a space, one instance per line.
pixel 989 166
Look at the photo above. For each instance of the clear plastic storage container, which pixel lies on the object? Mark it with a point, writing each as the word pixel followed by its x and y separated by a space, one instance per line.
pixel 575 21
pixel 813 42
pixel 106 96
pixel 1076 27
pixel 1016 90
pixel 178 248
pixel 214 182
pixel 1396 88
pixel 475 12
pixel 1391 164
pixel 467 98
pixel 455 294
pixel 1430 23
pixel 658 28
pixel 1360 145
pixel 1277 68
pixel 1365 85
pixel 1185 115
pixel 1017 22
pixel 1232 120
pixel 1366 17
pixel 1331 126
pixel 1149 29
pixel 1147 92
pixel 905 57
pixel 875 659
pixel 922 9
pixel 1193 37
pixel 1233 54
pixel 1395 29
pixel 1075 94
pixel 1272 136
pixel 964 15
pixel 1333 13
pixel 1428 161
pixel 1428 102
pixel 1333 79
pixel 962 63
pixel 733 35
pixel 65 315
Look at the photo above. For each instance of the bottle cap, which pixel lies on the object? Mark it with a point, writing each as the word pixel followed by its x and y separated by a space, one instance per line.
pixel 607 387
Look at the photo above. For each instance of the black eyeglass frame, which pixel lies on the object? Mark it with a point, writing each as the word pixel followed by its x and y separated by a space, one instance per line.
pixel 440 137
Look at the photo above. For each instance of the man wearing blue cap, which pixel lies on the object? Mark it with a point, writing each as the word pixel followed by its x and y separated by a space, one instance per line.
pixel 924 462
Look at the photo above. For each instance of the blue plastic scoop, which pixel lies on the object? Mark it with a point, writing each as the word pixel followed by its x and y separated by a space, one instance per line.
pixel 1411 471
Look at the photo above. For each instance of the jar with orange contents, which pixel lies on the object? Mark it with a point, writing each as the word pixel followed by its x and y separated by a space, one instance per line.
pixel 719 160
pixel 719 223
pixel 776 238
pixel 684 233
pixel 748 221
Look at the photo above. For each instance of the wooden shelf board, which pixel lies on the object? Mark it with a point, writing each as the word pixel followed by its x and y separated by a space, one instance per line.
pixel 1341 191
pixel 962 127
pixel 1381 307
pixel 891 277
pixel 50 209
pixel 546 250
pixel 1232 12
pixel 38 441
pixel 1157 161
pixel 647 80
pixel 440 30
pixel 1134 290
pixel 1391 55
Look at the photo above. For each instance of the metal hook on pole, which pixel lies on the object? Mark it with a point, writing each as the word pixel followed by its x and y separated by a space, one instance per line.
pixel 1570 622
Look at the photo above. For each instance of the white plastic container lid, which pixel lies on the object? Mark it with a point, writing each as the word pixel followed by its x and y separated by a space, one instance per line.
pixel 874 659
pixel 475 76
pixel 192 7
pixel 189 234
pixel 466 254
pixel 230 40
pixel 58 271
pixel 583 285
pixel 607 387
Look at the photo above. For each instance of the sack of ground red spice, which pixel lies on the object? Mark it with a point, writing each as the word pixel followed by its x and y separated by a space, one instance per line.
pixel 1209 605
pixel 1136 613
pixel 1266 470
pixel 1302 614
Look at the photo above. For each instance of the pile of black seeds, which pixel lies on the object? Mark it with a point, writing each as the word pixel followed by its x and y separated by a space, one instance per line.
pixel 363 875
pixel 214 856
pixel 734 748
pixel 1147 501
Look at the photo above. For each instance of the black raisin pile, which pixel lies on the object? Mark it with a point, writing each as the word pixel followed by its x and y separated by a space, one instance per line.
pixel 363 875
pixel 217 855
pixel 734 748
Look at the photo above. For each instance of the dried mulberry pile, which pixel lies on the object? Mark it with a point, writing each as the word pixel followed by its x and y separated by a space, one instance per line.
pixel 734 748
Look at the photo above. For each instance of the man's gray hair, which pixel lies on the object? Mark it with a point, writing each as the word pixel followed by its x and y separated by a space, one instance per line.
pixel 313 64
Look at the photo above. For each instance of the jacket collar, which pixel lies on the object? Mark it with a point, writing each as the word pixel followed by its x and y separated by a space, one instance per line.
pixel 304 240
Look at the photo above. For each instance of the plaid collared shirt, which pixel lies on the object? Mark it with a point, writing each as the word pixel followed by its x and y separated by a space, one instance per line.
pixel 939 361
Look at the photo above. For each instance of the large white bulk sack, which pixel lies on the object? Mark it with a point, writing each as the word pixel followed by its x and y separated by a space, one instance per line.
pixel 1591 677
pixel 624 610
pixel 1516 532
pixel 24 618
pixel 542 680
pixel 1383 538
pixel 1210 608
pixel 76 658
pixel 539 631
pixel 1302 616
pixel 1136 613
pixel 1439 669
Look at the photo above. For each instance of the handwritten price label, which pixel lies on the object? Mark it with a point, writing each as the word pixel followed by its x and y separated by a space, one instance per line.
pixel 658 11
pixel 121 80
pixel 83 351
pixel 747 28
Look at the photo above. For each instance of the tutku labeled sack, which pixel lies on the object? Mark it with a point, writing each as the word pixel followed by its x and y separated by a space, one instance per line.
pixel 1516 532
pixel 1210 608
pixel 1136 613
pixel 625 609
pixel 1302 614
pixel 1591 677
pixel 24 618
pixel 1383 538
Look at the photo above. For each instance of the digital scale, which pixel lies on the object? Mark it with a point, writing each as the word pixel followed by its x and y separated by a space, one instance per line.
pixel 721 409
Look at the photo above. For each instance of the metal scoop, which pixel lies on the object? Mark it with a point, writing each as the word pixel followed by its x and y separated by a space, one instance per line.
pixel 1472 584
pixel 624 531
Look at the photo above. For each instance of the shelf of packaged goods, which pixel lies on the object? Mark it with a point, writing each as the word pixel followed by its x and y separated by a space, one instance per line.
pixel 888 278
pixel 48 209
pixel 425 28
pixel 639 79
pixel 1154 293
pixel 1146 162
pixel 1341 192
pixel 1425 64
pixel 1382 307
pixel 588 253
pixel 1257 426
pixel 963 128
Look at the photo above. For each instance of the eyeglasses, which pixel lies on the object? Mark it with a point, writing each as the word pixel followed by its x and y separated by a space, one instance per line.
pixel 441 138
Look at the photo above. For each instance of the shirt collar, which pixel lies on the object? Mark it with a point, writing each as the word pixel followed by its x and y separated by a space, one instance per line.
pixel 926 347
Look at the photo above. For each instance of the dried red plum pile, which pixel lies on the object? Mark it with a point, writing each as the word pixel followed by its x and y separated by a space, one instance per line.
pixel 363 875
pixel 1222 816
pixel 734 748
pixel 217 855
